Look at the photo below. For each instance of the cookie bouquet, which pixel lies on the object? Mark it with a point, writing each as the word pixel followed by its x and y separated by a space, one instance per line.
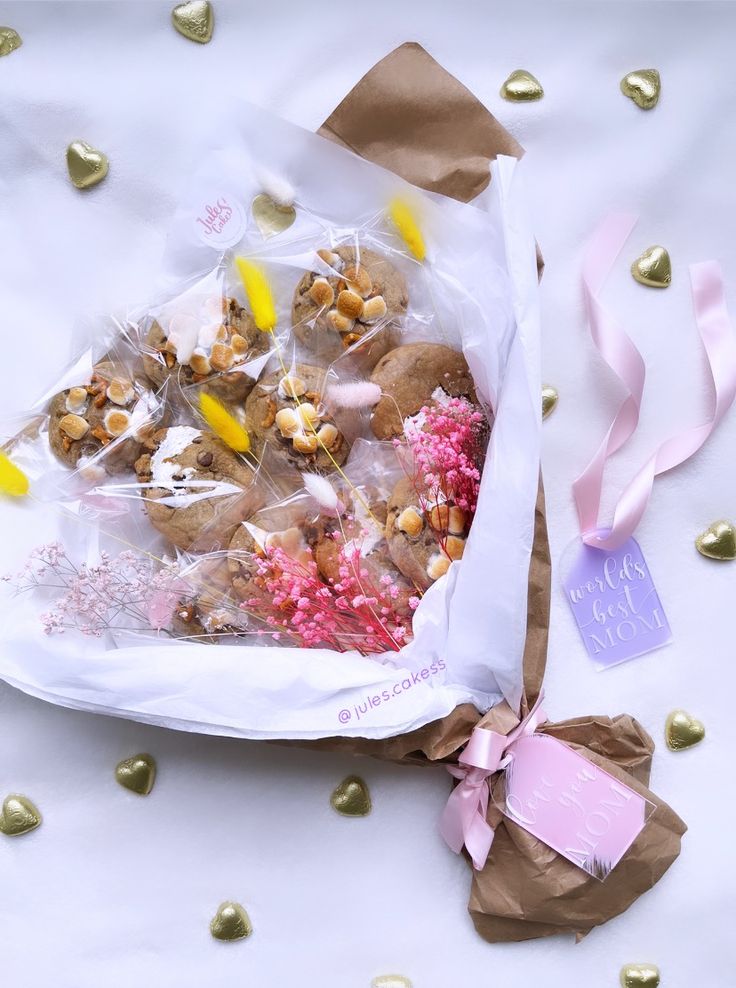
pixel 322 487
pixel 327 526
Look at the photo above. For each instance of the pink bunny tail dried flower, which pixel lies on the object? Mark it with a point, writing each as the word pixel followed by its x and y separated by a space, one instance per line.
pixel 358 394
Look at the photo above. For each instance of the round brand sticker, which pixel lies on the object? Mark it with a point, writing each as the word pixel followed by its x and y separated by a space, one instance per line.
pixel 220 221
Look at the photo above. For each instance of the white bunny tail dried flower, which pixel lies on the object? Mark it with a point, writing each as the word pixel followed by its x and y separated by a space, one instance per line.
pixel 322 491
pixel 281 191
pixel 360 394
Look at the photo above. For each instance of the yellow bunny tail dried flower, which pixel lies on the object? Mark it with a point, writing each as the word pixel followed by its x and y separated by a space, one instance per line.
pixel 407 227
pixel 223 424
pixel 259 294
pixel 12 479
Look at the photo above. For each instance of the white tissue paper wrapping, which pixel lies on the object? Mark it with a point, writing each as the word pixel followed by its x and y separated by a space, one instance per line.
pixel 470 627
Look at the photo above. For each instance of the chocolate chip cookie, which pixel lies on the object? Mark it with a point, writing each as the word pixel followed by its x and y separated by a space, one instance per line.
pixel 98 416
pixel 349 293
pixel 208 346
pixel 209 610
pixel 286 412
pixel 201 490
pixel 423 539
pixel 415 375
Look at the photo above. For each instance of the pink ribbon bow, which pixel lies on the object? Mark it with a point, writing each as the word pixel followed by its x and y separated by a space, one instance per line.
pixel 463 820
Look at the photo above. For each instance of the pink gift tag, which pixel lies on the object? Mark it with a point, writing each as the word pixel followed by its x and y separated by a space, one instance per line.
pixel 572 805
pixel 615 603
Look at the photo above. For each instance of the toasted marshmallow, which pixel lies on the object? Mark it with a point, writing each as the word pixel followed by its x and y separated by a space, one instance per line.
pixel 76 400
pixel 454 547
pixel 239 344
pixel 200 362
pixel 291 386
pixel 374 309
pixel 350 304
pixel 221 357
pixel 358 280
pixel 331 259
pixel 120 391
pixel 322 293
pixel 327 435
pixel 338 322
pixel 308 414
pixel 74 426
pixel 116 421
pixel 288 422
pixel 306 443
pixel 410 521
pixel 438 565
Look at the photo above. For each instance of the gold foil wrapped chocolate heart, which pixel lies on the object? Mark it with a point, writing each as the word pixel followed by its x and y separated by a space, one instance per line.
pixel 550 397
pixel 86 165
pixel 351 797
pixel 230 922
pixel 718 541
pixel 195 20
pixel 682 730
pixel 18 816
pixel 639 976
pixel 643 87
pixel 271 217
pixel 137 773
pixel 10 41
pixel 522 87
pixel 653 268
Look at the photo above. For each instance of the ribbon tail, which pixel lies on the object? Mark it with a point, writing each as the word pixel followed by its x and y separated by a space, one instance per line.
pixel 451 821
pixel 478 841
pixel 463 822
pixel 622 356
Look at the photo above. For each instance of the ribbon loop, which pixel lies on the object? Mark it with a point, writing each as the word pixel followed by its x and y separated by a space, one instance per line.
pixel 463 820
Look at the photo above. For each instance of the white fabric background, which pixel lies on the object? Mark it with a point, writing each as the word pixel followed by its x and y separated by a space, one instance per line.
pixel 119 890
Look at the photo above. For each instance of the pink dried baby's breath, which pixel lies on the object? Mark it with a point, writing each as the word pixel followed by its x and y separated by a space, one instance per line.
pixel 352 613
pixel 447 454
pixel 121 591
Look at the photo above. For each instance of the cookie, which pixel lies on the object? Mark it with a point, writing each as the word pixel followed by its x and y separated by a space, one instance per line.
pixel 423 539
pixel 186 623
pixel 206 622
pixel 358 526
pixel 409 378
pixel 210 611
pixel 86 419
pixel 353 292
pixel 287 413
pixel 261 532
pixel 376 564
pixel 195 518
pixel 206 349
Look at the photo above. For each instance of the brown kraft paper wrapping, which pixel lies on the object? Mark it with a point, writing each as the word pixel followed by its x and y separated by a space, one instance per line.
pixel 409 115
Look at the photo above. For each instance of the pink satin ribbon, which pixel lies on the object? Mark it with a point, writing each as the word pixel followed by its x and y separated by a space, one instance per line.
pixel 624 359
pixel 463 820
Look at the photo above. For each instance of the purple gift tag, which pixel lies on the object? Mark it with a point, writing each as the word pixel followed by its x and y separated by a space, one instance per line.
pixel 615 603
pixel 572 805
